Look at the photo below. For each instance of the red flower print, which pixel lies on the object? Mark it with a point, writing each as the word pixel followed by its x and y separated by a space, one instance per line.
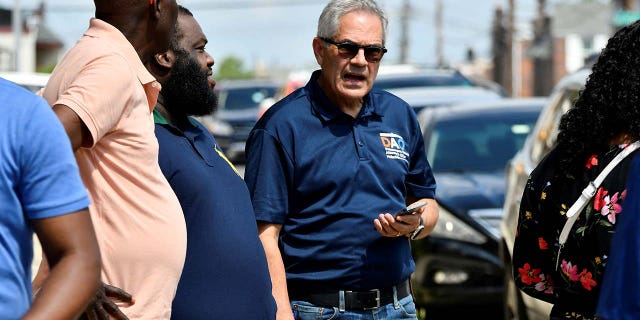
pixel 598 201
pixel 623 194
pixel 542 244
pixel 592 161
pixel 570 270
pixel 528 275
pixel 586 280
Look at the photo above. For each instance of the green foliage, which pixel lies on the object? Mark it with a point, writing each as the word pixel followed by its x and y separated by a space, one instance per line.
pixel 422 313
pixel 231 68
pixel 46 69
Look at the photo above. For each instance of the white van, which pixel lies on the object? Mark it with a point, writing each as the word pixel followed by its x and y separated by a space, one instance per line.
pixel 33 81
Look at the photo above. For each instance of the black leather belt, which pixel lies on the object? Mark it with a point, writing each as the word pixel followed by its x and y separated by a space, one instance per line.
pixel 353 300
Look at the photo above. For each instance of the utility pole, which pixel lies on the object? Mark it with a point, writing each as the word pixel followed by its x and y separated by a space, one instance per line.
pixel 498 35
pixel 543 53
pixel 404 32
pixel 508 60
pixel 439 35
pixel 16 27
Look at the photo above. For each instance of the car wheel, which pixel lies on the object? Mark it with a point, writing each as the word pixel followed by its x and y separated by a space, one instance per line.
pixel 514 308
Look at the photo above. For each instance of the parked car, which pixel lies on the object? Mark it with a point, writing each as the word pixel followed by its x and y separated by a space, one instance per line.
pixel 490 85
pixel 419 78
pixel 543 137
pixel 238 107
pixel 32 81
pixel 468 146
pixel 428 97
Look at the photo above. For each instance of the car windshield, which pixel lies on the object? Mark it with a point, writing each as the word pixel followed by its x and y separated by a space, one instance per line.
pixel 476 143
pixel 244 98
pixel 435 80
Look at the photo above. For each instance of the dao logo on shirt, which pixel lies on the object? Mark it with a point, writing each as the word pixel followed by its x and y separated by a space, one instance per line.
pixel 394 146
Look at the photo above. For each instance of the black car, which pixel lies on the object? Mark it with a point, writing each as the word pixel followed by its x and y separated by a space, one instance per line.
pixel 468 147
pixel 238 107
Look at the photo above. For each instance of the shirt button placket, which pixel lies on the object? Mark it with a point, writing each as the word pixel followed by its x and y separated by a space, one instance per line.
pixel 360 145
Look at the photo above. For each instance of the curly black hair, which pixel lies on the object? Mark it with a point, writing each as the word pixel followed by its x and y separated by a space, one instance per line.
pixel 608 106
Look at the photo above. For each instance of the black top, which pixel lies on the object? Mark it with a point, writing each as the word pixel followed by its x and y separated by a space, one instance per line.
pixel 574 287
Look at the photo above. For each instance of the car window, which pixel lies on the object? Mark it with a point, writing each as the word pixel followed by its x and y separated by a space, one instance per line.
pixel 548 132
pixel 478 145
pixel 244 98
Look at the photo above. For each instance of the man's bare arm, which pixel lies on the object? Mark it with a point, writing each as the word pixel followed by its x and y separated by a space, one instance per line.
pixel 269 234
pixel 71 248
pixel 77 131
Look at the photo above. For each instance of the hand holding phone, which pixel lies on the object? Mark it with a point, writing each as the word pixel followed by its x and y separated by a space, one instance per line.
pixel 411 208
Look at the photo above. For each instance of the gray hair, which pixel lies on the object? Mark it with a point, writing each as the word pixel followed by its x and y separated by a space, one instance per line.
pixel 329 20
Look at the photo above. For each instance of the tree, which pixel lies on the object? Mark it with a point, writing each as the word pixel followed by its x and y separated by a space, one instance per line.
pixel 231 68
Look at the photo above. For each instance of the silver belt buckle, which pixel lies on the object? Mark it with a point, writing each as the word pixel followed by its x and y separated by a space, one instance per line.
pixel 377 291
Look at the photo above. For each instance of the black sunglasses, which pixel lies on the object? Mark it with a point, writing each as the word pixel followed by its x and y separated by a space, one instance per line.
pixel 348 49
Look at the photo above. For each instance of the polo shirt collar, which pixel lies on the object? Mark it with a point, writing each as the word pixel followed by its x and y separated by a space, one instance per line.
pixel 159 119
pixel 327 111
pixel 102 29
pixel 198 136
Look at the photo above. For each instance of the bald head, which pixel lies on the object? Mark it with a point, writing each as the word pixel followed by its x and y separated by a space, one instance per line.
pixel 105 8
pixel 148 25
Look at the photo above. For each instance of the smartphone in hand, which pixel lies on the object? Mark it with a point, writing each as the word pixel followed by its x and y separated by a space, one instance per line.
pixel 411 208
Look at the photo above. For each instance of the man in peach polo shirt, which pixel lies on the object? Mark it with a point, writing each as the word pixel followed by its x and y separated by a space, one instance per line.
pixel 104 97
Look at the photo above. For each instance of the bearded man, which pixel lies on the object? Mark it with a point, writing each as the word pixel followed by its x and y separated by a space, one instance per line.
pixel 225 275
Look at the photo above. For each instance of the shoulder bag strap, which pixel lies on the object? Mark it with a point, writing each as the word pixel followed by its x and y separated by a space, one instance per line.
pixel 588 193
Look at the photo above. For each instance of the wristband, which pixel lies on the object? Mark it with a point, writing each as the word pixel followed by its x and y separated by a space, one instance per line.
pixel 413 235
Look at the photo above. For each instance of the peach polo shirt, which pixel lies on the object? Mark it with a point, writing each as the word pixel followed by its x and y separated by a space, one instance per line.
pixel 136 215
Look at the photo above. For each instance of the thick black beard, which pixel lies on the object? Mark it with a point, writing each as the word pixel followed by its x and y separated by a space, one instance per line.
pixel 187 90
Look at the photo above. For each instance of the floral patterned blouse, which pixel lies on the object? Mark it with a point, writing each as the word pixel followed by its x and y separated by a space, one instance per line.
pixel 573 286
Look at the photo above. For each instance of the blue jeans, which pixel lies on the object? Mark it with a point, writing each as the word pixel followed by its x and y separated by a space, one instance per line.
pixel 404 308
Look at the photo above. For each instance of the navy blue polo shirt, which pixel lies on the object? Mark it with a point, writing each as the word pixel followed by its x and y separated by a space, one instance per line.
pixel 326 176
pixel 225 274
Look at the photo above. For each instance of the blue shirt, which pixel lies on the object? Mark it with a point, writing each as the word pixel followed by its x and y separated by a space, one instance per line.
pixel 620 293
pixel 326 176
pixel 38 179
pixel 225 274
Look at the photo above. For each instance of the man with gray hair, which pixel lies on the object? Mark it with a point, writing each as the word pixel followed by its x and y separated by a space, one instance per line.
pixel 325 165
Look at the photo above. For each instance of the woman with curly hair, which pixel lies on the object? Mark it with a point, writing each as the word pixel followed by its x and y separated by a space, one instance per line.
pixel 604 121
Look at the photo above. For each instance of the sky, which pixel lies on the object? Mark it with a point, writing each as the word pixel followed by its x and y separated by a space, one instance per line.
pixel 279 32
